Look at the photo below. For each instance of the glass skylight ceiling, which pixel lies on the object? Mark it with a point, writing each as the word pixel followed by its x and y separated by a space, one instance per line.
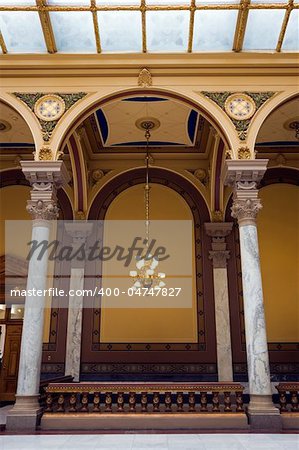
pixel 148 26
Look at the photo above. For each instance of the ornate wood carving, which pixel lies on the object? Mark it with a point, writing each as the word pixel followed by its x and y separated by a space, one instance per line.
pixel 96 402
pixel 191 401
pixel 60 403
pixel 84 402
pixel 143 401
pixel 227 402
pixel 215 402
pixel 168 401
pixel 180 402
pixel 73 402
pixel 203 401
pixel 156 402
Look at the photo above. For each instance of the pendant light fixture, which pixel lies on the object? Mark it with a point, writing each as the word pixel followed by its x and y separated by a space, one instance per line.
pixel 147 276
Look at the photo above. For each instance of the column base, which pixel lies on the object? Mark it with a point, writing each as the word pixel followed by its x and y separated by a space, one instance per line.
pixel 263 415
pixel 25 415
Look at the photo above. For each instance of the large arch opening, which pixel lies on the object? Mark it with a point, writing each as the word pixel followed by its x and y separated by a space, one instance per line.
pixel 172 354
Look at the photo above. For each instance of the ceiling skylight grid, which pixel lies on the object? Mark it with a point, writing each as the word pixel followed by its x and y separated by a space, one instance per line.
pixel 148 26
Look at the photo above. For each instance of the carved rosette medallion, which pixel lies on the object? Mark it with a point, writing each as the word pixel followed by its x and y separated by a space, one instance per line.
pixel 49 107
pixel 239 106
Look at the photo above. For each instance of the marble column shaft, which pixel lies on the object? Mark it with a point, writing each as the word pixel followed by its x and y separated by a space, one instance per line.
pixel 45 177
pixel 31 345
pixel 79 231
pixel 219 256
pixel 74 325
pixel 244 177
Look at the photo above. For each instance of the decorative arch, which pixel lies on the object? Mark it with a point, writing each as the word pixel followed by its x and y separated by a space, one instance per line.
pixel 175 181
pixel 109 181
pixel 193 358
pixel 87 106
pixel 275 102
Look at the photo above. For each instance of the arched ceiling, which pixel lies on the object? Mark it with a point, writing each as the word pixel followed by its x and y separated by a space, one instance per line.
pixel 15 135
pixel 276 131
pixel 114 125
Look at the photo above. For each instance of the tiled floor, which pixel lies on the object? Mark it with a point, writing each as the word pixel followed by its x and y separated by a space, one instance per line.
pixel 152 441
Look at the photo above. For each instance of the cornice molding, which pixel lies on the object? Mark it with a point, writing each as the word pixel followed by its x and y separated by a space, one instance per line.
pixel 230 64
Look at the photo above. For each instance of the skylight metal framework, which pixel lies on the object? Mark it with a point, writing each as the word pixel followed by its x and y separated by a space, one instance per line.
pixel 163 26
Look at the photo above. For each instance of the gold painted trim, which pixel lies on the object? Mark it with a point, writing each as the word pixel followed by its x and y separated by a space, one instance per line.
pixel 241 25
pixel 96 25
pixel 143 18
pixel 2 44
pixel 147 8
pixel 284 25
pixel 45 21
pixel 142 387
pixel 191 26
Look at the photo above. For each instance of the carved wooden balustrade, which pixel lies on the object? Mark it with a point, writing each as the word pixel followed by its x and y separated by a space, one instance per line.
pixel 288 396
pixel 144 398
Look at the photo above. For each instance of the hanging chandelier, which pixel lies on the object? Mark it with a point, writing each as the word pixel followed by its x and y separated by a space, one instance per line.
pixel 147 276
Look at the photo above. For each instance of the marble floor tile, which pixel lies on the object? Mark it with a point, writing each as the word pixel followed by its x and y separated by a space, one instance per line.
pixel 151 441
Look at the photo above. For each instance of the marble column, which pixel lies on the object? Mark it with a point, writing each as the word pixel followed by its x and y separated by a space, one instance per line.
pixel 219 256
pixel 45 177
pixel 244 176
pixel 79 232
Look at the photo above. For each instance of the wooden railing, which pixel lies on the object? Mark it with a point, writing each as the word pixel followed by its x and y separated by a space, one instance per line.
pixel 144 397
pixel 45 383
pixel 288 396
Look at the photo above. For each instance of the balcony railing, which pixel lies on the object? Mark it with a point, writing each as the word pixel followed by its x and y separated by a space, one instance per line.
pixel 288 396
pixel 141 398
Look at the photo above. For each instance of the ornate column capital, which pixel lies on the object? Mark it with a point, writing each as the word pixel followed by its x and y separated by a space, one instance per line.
pixel 246 203
pixel 219 258
pixel 45 178
pixel 244 176
pixel 79 231
pixel 218 231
